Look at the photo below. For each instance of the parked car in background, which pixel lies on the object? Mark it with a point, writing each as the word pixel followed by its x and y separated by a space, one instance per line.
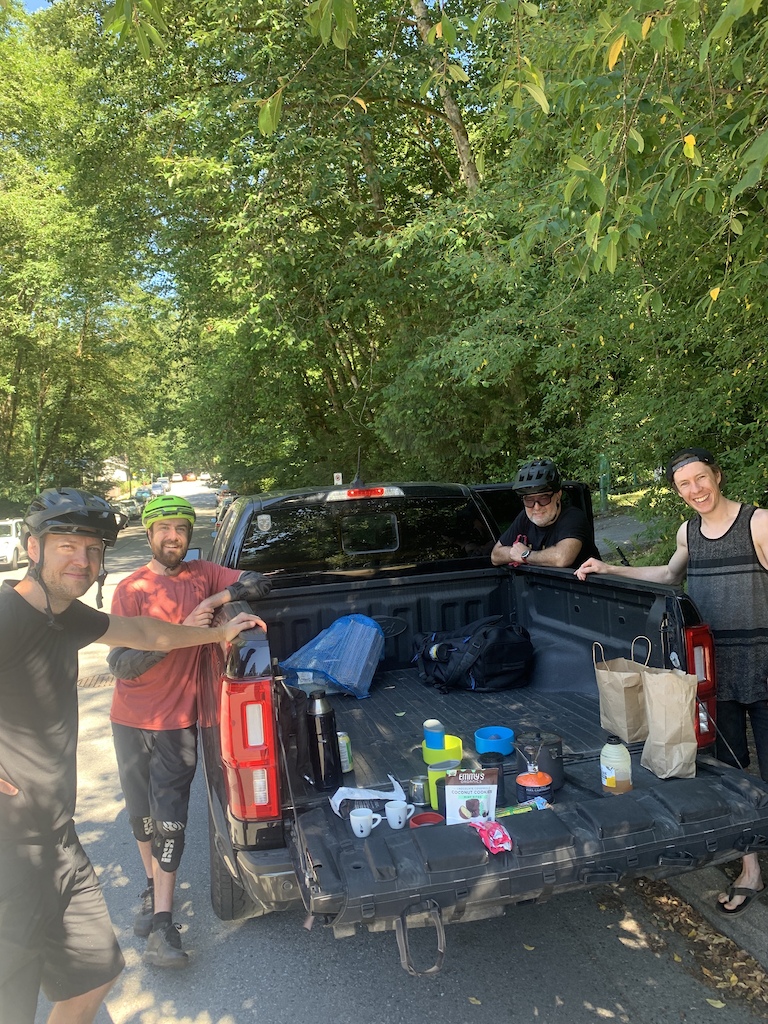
pixel 121 516
pixel 11 549
pixel 165 482
pixel 131 507
pixel 205 476
pixel 176 478
pixel 157 488
pixel 142 495
pixel 190 476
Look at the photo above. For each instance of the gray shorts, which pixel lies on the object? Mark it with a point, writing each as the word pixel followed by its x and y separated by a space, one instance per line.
pixel 156 770
pixel 55 930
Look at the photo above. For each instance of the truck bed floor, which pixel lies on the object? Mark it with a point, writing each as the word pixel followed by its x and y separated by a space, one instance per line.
pixel 386 728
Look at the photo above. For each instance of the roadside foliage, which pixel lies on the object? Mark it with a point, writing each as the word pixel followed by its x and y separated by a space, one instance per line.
pixel 441 238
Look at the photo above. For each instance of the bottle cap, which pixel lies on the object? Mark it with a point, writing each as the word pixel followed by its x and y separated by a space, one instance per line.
pixel 613 739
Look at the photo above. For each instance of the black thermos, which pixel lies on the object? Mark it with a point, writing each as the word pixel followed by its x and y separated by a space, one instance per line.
pixel 323 742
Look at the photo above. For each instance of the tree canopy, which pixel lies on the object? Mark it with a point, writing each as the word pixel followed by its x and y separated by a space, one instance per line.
pixel 270 235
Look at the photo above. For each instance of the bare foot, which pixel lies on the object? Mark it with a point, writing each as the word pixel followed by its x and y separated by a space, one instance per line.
pixel 750 878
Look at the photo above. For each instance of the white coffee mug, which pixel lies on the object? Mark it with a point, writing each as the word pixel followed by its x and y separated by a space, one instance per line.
pixel 362 820
pixel 398 812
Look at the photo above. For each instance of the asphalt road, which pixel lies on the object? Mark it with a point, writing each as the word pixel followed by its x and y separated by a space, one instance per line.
pixel 584 958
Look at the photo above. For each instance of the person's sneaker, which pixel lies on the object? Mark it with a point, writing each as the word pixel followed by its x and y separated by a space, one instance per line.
pixel 142 923
pixel 164 948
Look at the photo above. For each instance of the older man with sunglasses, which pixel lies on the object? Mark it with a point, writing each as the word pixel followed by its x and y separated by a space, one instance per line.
pixel 546 532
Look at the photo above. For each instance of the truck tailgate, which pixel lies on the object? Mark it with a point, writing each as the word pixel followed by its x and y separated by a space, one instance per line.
pixel 659 829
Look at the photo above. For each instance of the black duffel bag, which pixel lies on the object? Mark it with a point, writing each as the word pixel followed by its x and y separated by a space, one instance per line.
pixel 485 655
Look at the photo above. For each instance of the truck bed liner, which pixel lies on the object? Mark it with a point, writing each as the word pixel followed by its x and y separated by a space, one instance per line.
pixel 386 727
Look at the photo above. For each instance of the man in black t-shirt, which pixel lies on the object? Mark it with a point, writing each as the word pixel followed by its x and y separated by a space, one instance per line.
pixel 544 533
pixel 55 930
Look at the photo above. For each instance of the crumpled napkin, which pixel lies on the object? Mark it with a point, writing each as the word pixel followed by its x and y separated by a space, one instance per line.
pixel 347 797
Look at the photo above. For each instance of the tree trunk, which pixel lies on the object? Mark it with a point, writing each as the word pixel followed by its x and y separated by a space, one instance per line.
pixel 469 174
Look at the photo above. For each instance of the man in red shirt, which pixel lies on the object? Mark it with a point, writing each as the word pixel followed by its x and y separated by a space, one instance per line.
pixel 154 709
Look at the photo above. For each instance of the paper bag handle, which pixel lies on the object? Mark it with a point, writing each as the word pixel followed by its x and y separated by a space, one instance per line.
pixel 632 648
pixel 596 643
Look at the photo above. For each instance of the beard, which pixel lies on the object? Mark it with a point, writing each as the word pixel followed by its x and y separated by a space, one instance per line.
pixel 169 555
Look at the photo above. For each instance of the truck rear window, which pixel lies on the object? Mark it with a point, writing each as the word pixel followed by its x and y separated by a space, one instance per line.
pixel 362 534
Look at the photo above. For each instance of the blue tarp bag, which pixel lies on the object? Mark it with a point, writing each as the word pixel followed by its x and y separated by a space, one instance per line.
pixel 341 659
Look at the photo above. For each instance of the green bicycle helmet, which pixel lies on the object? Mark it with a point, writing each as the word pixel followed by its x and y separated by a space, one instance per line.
pixel 167 506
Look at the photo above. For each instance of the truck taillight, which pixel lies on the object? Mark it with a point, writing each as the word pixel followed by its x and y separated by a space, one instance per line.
pixel 700 648
pixel 249 749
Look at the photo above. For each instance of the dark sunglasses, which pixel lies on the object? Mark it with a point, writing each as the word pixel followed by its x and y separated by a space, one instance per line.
pixel 537 499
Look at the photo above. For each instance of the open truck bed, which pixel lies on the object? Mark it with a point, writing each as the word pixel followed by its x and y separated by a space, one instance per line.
pixel 408 566
pixel 396 879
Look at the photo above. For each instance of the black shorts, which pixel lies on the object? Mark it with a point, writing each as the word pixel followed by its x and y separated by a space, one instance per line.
pixel 55 930
pixel 156 770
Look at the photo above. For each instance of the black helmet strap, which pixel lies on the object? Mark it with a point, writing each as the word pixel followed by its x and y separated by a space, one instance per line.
pixel 35 572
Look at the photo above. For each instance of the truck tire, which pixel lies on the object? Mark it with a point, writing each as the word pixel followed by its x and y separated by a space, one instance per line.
pixel 229 899
pixel 15 560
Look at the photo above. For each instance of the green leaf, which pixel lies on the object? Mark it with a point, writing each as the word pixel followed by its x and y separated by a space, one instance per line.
pixel 457 73
pixel 596 190
pixel 141 39
pixel 538 94
pixel 748 180
pixel 570 188
pixel 637 138
pixel 591 229
pixel 611 257
pixel 449 31
pixel 677 34
pixel 340 38
pixel 758 151
pixel 577 163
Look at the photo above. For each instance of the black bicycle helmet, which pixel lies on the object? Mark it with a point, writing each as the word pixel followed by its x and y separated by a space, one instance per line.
pixel 537 476
pixel 67 510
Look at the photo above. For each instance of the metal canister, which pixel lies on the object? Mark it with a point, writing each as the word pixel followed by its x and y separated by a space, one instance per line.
pixel 345 751
pixel 533 784
pixel 545 750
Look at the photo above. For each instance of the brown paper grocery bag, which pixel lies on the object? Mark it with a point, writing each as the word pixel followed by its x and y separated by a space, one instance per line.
pixel 620 683
pixel 670 705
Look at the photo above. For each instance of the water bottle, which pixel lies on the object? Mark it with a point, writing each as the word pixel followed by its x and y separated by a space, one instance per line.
pixel 324 751
pixel 615 767
pixel 439 652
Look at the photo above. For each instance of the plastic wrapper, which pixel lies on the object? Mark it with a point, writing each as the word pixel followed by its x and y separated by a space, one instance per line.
pixel 347 797
pixel 494 836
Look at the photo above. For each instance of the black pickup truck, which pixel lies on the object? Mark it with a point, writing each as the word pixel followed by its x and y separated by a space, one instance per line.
pixel 417 555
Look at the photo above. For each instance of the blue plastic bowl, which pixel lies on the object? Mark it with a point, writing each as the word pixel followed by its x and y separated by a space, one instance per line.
pixel 494 738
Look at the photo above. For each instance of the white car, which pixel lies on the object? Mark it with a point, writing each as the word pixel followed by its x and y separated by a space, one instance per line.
pixel 205 476
pixel 11 549
pixel 176 478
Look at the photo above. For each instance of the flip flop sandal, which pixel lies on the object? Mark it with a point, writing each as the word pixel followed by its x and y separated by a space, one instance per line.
pixel 750 895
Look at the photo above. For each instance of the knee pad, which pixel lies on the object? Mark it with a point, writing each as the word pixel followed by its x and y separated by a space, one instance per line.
pixel 168 844
pixel 142 829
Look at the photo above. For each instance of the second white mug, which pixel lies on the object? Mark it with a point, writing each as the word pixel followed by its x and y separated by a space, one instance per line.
pixel 398 812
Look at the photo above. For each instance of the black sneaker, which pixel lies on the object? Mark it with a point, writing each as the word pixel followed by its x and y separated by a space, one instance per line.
pixel 164 948
pixel 142 923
